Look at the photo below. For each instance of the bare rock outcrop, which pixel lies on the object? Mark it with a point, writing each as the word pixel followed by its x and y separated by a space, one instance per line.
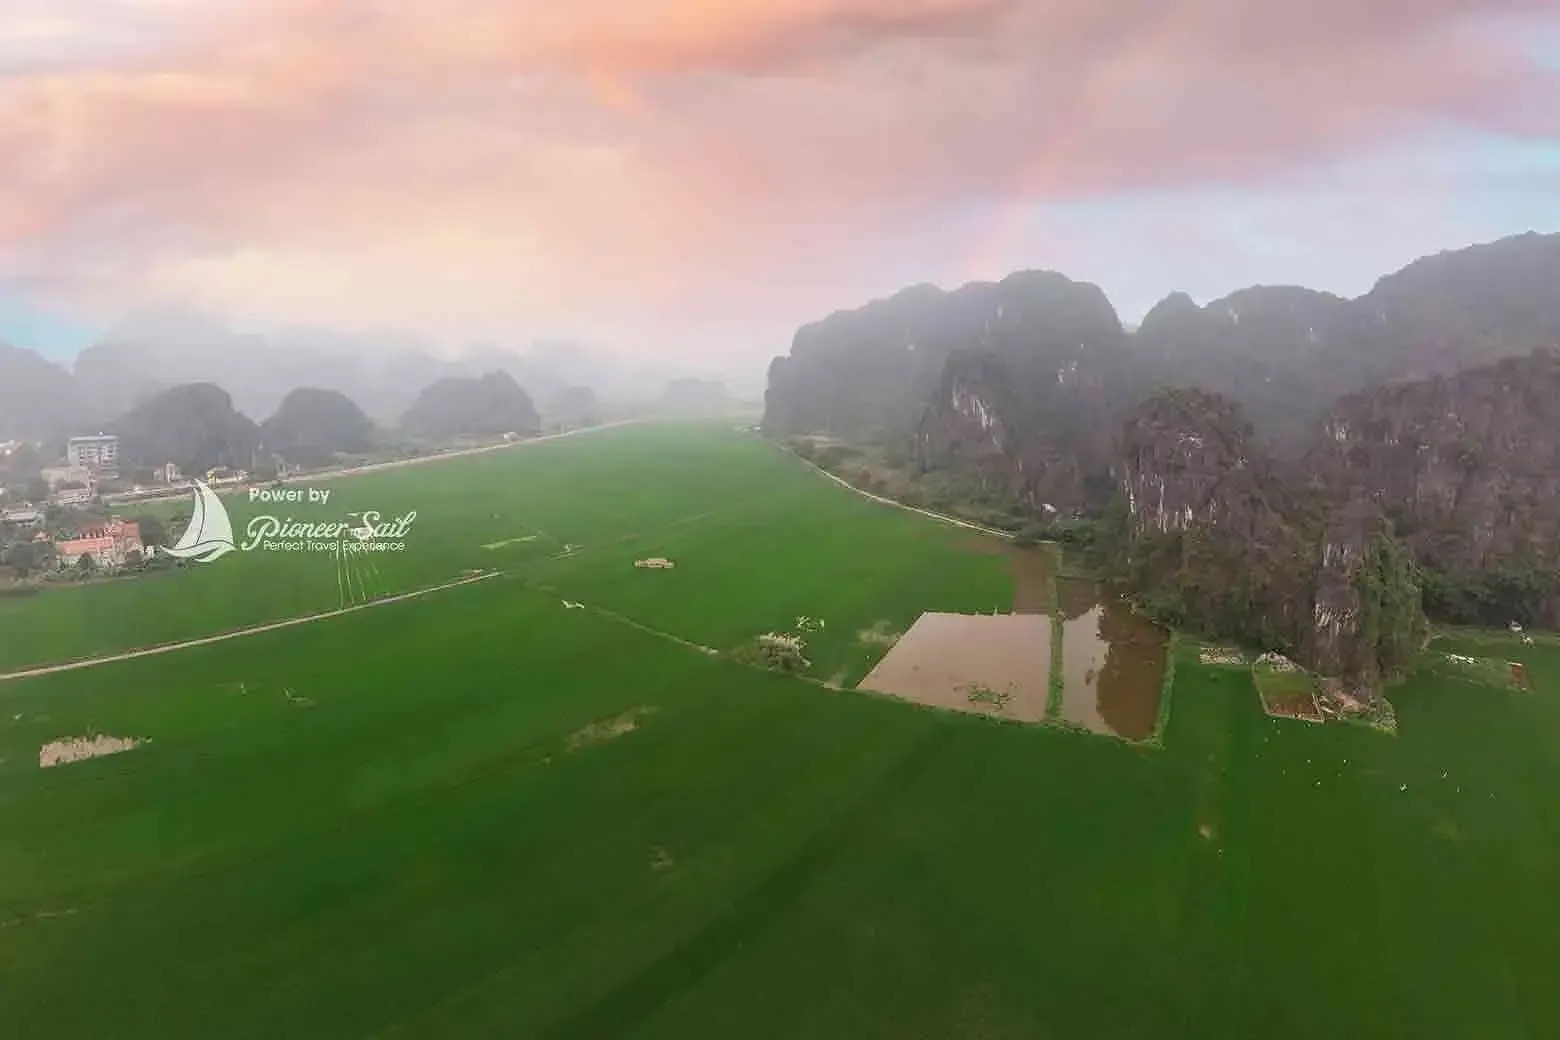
pixel 1468 467
pixel 1215 536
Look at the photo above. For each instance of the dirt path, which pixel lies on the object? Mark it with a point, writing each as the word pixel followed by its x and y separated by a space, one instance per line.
pixel 167 648
pixel 943 517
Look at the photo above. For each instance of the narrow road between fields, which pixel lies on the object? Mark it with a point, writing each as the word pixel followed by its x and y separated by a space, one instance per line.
pixel 374 467
pixel 271 626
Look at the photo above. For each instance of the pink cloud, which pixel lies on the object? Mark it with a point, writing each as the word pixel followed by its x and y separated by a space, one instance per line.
pixel 413 161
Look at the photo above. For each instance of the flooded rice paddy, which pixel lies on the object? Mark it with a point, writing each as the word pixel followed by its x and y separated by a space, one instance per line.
pixel 995 664
pixel 1113 664
pixel 1099 668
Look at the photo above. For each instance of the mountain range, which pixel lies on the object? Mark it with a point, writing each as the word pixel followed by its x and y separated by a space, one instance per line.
pixel 1284 466
pixel 383 376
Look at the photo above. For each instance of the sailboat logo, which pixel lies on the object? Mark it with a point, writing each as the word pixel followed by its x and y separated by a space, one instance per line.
pixel 210 533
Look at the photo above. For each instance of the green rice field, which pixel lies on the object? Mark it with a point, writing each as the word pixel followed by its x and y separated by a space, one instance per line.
pixel 483 813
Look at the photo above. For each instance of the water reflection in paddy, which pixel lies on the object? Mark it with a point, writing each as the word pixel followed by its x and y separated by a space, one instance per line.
pixel 1112 663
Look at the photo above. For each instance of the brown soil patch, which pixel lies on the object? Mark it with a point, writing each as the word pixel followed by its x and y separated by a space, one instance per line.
pixel 1291 704
pixel 1076 597
pixel 79 749
pixel 981 663
pixel 1113 665
pixel 608 729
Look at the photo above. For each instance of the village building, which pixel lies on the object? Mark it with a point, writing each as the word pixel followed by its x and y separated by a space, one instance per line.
pixel 108 546
pixel 99 453
pixel 24 514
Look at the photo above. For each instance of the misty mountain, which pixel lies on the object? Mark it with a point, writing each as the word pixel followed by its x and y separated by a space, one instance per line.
pixel 1281 466
pixel 193 426
pixel 690 396
pixel 574 406
pixel 382 373
pixel 490 405
pixel 37 398
pixel 312 426
pixel 1284 353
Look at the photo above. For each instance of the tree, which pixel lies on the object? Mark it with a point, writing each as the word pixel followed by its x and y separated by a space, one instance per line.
pixel 152 530
pixel 25 557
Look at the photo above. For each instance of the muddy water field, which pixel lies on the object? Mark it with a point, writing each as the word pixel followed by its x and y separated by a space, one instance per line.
pixel 1113 664
pixel 1062 654
pixel 994 664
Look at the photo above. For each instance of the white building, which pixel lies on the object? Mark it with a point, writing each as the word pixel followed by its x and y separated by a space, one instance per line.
pixel 100 452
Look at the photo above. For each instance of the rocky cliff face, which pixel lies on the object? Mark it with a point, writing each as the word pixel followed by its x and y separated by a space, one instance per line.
pixel 1030 426
pixel 1211 536
pixel 1287 353
pixel 1265 347
pixel 1372 436
pixel 1467 465
pixel 1366 617
pixel 1005 381
pixel 1221 538
pixel 1284 353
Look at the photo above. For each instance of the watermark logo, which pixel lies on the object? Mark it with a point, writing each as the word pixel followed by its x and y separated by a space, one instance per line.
pixel 210 532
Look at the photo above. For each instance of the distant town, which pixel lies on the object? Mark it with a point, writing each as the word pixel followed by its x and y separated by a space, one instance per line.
pixel 68 525
pixel 65 523
pixel 77 507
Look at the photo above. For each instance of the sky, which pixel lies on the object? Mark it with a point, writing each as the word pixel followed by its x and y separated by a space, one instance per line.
pixel 690 180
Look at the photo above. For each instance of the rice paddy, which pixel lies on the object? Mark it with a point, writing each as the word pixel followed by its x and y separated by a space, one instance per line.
pixel 485 812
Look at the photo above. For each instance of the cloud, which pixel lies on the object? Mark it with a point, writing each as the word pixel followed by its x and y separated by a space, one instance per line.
pixel 625 165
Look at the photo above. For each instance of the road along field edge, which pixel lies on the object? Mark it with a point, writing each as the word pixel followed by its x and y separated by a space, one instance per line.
pixel 941 517
pixel 270 626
